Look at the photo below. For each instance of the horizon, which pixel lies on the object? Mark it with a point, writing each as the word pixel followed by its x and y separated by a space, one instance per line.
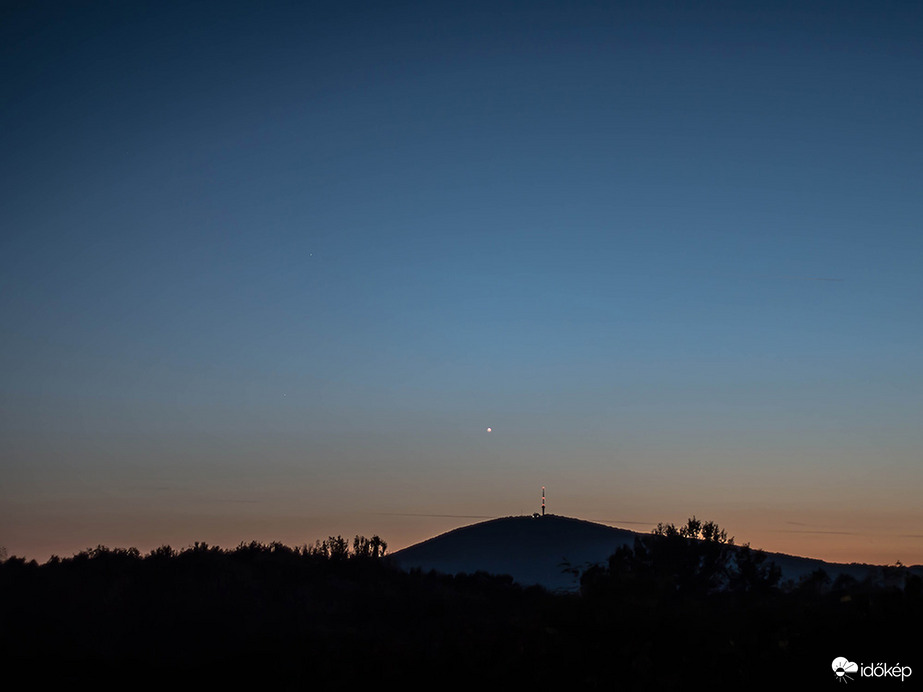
pixel 391 549
pixel 294 270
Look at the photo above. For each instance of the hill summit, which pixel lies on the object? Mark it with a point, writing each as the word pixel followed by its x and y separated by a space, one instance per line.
pixel 532 549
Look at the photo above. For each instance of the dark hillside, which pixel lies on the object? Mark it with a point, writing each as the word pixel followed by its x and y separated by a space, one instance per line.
pixel 534 550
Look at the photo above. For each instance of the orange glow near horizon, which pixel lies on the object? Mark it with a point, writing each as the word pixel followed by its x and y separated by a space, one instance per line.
pixel 54 533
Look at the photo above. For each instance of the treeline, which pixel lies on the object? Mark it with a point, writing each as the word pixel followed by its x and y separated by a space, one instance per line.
pixel 335 615
pixel 333 548
pixel 698 606
pixel 682 604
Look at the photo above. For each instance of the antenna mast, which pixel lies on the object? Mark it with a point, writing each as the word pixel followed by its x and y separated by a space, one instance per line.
pixel 543 500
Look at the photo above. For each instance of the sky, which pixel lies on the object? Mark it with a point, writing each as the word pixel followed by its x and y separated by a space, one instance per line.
pixel 269 271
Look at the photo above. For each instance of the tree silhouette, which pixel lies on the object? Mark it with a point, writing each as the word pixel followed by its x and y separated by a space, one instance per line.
pixel 696 559
pixel 369 548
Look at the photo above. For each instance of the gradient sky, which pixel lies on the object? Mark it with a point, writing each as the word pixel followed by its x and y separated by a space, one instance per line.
pixel 268 271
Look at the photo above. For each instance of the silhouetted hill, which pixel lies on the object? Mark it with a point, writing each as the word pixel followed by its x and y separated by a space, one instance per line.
pixel 533 550
pixel 537 550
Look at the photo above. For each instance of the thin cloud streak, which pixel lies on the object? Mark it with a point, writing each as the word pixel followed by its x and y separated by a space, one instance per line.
pixel 798 277
pixel 813 278
pixel 836 533
pixel 446 516
pixel 637 523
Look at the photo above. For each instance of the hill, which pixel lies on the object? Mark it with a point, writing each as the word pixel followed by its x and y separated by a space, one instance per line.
pixel 533 550
pixel 538 550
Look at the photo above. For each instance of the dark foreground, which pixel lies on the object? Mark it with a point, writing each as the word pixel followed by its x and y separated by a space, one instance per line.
pixel 273 617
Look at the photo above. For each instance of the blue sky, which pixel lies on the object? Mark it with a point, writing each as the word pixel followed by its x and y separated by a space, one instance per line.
pixel 271 270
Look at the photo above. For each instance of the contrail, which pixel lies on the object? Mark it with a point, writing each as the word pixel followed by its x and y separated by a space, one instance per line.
pixel 798 277
pixel 448 516
pixel 835 533
pixel 793 277
pixel 611 521
pixel 810 278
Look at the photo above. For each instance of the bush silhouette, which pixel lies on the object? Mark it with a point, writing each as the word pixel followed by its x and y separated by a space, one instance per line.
pixel 696 559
